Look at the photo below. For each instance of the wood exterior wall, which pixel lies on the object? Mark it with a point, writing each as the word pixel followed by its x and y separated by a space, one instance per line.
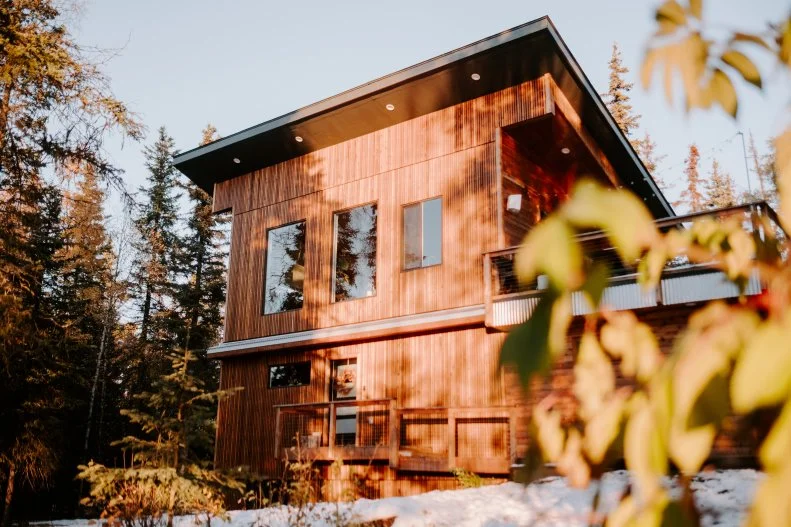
pixel 444 369
pixel 449 153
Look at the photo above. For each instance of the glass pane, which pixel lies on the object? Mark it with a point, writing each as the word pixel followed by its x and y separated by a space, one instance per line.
pixel 285 268
pixel 285 375
pixel 355 253
pixel 412 249
pixel 432 232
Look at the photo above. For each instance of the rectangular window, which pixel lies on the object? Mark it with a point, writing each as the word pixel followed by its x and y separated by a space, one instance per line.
pixel 423 234
pixel 285 268
pixel 287 375
pixel 354 256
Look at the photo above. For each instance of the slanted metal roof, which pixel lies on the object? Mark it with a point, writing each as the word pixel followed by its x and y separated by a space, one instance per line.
pixel 502 60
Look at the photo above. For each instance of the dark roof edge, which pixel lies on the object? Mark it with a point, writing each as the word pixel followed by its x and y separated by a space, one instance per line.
pixel 363 91
pixel 575 68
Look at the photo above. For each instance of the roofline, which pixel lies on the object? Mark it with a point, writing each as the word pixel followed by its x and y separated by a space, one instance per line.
pixel 575 68
pixel 371 88
pixel 423 69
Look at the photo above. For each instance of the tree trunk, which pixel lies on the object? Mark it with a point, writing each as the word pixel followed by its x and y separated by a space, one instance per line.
pixel 99 359
pixel 9 495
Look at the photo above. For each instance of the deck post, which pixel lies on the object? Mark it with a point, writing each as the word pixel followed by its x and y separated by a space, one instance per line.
pixel 513 418
pixel 278 432
pixel 451 438
pixel 331 439
pixel 393 438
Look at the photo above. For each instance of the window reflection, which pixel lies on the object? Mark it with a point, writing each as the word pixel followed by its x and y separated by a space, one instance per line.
pixel 355 253
pixel 285 268
pixel 423 234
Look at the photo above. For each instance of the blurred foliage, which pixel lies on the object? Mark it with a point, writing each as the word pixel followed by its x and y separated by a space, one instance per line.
pixel 731 359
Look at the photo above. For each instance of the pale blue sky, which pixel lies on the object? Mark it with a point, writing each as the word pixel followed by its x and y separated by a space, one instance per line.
pixel 237 63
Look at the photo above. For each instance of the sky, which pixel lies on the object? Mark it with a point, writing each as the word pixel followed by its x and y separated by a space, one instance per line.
pixel 236 63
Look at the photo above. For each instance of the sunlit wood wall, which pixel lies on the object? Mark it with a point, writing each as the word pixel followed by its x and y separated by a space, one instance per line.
pixel 448 153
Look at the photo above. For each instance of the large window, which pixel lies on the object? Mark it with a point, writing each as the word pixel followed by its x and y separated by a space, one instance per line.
pixel 354 256
pixel 285 268
pixel 423 234
pixel 286 375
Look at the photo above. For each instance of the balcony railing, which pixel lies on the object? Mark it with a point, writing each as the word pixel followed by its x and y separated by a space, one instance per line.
pixel 435 439
pixel 509 302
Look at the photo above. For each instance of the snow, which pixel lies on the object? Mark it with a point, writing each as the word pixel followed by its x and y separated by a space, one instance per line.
pixel 722 496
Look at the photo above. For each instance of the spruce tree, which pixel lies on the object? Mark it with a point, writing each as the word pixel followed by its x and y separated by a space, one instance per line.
pixel 720 192
pixel 617 96
pixel 646 149
pixel 692 196
pixel 155 267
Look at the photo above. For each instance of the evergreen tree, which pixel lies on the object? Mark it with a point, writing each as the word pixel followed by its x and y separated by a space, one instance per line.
pixel 156 263
pixel 720 192
pixel 692 196
pixel 166 468
pixel 617 96
pixel 646 149
pixel 764 170
pixel 55 108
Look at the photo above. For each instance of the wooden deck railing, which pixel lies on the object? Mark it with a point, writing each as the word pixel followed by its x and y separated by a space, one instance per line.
pixel 509 301
pixel 415 439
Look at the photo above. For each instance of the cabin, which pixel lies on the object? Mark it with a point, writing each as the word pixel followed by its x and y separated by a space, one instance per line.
pixel 371 283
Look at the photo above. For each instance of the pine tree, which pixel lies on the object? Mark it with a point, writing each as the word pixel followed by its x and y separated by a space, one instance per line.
pixel 692 196
pixel 720 192
pixel 617 96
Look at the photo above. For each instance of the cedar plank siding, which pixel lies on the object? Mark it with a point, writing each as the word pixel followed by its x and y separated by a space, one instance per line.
pixel 449 153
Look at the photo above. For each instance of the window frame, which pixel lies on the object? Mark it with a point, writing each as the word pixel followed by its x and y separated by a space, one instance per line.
pixel 335 213
pixel 266 267
pixel 282 364
pixel 404 268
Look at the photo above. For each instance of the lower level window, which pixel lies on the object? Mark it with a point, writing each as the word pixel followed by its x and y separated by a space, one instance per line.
pixel 285 375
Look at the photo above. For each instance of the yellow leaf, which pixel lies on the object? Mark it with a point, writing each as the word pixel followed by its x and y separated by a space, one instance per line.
pixel 572 464
pixel 762 376
pixel 594 377
pixel 783 170
pixel 549 433
pixel 604 428
pixel 772 503
pixel 550 248
pixel 644 449
pixel 623 217
pixel 722 91
pixel 623 336
pixel 696 8
pixel 741 63
pixel 776 448
pixel 672 12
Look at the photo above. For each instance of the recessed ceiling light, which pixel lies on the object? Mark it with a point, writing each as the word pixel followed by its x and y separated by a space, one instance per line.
pixel 298 138
pixel 565 150
pixel 236 160
pixel 390 107
pixel 475 77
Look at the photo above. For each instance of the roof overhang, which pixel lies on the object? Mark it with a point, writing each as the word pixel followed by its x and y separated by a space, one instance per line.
pixel 503 60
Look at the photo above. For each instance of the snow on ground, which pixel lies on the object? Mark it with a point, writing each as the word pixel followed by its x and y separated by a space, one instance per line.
pixel 723 497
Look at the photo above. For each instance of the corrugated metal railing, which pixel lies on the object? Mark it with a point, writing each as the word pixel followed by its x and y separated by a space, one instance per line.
pixel 509 302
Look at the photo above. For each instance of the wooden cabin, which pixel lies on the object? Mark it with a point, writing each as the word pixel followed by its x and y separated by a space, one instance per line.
pixel 371 271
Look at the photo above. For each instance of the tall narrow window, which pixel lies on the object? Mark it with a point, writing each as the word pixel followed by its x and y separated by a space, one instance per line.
pixel 354 259
pixel 285 268
pixel 423 234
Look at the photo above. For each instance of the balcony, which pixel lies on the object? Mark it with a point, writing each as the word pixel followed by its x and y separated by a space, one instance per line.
pixel 482 440
pixel 509 302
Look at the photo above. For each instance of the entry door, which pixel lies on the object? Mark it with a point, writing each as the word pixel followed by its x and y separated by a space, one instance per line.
pixel 344 388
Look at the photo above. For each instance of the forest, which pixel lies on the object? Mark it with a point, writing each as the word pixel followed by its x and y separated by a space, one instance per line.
pixel 105 322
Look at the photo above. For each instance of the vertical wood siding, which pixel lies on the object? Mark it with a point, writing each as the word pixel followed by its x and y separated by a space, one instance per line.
pixel 449 153
pixel 456 369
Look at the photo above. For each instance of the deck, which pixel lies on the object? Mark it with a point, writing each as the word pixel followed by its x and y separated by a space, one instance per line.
pixel 509 302
pixel 438 439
